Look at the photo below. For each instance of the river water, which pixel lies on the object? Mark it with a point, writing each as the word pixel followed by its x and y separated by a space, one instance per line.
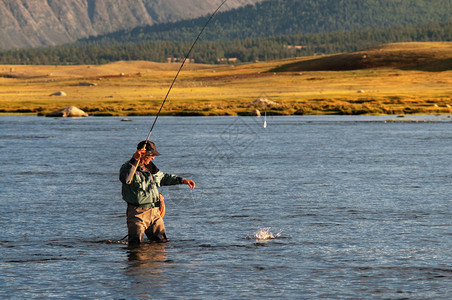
pixel 363 208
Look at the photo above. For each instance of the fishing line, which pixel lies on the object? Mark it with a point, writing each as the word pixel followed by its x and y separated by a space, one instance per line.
pixel 182 65
pixel 174 80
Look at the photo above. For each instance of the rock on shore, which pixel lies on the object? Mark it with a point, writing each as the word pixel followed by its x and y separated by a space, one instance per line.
pixel 70 112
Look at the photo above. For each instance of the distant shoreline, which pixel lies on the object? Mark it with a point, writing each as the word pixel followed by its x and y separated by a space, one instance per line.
pixel 394 79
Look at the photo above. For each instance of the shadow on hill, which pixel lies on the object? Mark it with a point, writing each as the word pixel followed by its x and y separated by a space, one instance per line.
pixel 437 66
pixel 406 56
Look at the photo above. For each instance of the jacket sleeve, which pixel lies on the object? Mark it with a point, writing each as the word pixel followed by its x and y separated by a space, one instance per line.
pixel 166 179
pixel 126 171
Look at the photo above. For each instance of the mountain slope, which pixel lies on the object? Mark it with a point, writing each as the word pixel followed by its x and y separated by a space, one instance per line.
pixel 33 23
pixel 276 17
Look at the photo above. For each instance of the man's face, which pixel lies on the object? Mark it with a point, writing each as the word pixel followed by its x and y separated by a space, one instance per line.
pixel 148 159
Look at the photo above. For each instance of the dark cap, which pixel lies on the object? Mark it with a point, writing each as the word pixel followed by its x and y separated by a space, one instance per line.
pixel 150 147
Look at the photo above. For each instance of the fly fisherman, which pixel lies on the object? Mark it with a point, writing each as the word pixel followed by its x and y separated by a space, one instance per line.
pixel 139 190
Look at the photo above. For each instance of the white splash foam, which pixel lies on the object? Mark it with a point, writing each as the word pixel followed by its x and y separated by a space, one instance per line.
pixel 265 234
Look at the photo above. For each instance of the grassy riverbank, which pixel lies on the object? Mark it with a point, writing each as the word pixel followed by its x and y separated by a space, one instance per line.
pixel 392 79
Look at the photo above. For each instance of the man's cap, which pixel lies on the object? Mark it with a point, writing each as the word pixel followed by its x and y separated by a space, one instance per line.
pixel 150 147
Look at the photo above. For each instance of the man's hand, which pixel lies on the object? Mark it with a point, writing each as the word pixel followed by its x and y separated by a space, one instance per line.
pixel 189 182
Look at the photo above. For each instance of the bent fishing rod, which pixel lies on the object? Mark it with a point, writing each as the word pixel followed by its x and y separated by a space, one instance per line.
pixel 174 80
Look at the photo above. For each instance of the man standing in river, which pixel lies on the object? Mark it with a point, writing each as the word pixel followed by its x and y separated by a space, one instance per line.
pixel 139 190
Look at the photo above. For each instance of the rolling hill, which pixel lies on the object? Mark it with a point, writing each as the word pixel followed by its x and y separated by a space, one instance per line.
pixel 434 57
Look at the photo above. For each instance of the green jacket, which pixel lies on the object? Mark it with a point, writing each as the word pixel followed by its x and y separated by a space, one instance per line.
pixel 142 191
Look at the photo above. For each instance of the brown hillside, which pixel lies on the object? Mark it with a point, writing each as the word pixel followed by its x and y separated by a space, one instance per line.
pixel 419 56
pixel 35 23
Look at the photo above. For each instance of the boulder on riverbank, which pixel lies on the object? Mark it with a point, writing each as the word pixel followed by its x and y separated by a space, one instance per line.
pixel 69 112
pixel 59 93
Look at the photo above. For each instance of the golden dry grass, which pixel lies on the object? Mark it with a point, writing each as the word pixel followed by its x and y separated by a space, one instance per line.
pixel 421 84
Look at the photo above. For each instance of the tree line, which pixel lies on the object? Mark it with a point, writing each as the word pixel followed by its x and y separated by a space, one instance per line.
pixel 287 17
pixel 238 50
pixel 268 30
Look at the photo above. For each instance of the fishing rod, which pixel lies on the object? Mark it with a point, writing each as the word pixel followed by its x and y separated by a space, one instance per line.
pixel 174 80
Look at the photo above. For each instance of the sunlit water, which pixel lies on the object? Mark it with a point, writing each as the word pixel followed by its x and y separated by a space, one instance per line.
pixel 363 208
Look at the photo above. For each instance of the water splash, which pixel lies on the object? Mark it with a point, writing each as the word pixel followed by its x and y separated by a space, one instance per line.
pixel 122 242
pixel 265 234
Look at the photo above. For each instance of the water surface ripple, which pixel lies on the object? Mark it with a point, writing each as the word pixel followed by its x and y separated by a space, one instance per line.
pixel 364 207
